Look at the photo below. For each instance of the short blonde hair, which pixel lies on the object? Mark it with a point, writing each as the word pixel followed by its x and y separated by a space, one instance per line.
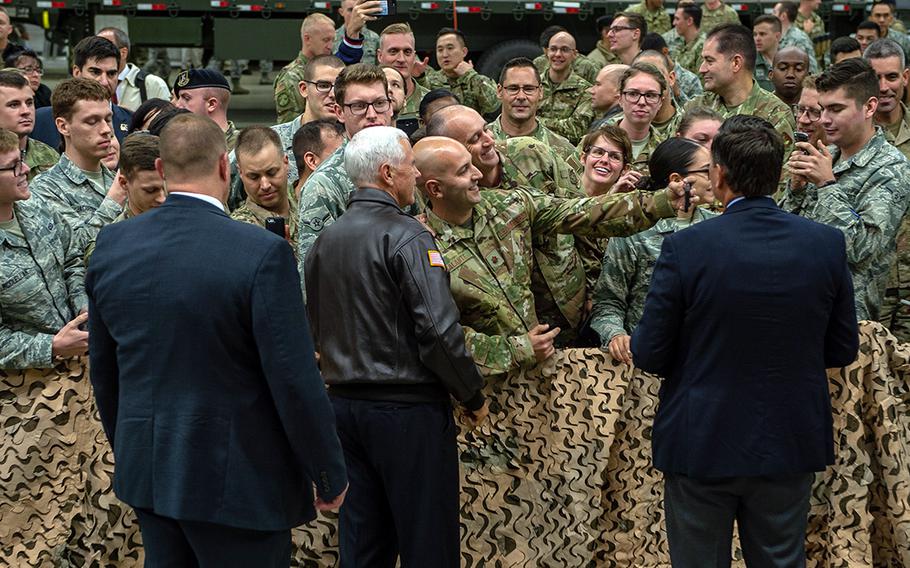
pixel 191 145
pixel 395 29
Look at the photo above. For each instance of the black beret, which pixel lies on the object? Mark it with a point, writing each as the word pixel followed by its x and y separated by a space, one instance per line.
pixel 199 78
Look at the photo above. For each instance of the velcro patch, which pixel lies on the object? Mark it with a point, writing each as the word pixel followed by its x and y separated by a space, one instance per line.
pixel 436 258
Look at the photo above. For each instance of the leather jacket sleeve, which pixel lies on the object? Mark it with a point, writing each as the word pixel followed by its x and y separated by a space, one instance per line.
pixel 424 283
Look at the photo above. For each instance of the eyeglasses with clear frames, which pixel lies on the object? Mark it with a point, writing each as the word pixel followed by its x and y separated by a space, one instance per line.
pixel 359 108
pixel 322 87
pixel 813 113
pixel 16 168
pixel 597 153
pixel 513 90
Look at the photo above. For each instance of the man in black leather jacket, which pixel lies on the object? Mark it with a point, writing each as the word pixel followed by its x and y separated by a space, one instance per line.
pixel 393 355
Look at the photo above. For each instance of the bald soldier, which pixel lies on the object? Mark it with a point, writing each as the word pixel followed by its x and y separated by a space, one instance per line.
pixel 788 71
pixel 566 105
pixel 486 236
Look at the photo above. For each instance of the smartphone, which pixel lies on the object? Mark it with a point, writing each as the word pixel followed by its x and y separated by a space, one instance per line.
pixel 388 8
pixel 275 225
pixel 687 195
pixel 801 137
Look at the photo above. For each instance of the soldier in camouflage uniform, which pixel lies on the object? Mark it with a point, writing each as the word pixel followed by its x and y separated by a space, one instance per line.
pixel 316 35
pixel 458 76
pixel 601 56
pixel 17 114
pixel 686 44
pixel 864 194
pixel 637 116
pixel 792 35
pixel 882 13
pixel 352 21
pixel 491 261
pixel 688 83
pixel 78 188
pixel 669 114
pixel 324 196
pixel 520 95
pixel 566 106
pixel 715 13
pixel 396 49
pixel 808 20
pixel 654 14
pixel 263 168
pixel 725 87
pixel 206 92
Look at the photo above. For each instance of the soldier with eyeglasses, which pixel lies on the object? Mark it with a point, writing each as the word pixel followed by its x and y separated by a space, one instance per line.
pixel 808 112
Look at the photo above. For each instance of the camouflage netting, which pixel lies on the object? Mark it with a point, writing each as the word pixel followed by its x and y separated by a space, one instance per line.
pixel 563 479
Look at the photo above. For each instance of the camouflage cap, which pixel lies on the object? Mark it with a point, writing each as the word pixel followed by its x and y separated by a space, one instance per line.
pixel 198 79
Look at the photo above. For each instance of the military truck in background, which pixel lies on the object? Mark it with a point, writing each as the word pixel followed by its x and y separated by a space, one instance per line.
pixel 497 30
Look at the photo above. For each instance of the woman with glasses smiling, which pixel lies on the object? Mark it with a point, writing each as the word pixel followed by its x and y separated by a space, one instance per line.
pixel 619 296
pixel 30 65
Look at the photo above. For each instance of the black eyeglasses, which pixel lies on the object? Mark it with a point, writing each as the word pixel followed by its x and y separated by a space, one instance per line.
pixel 701 171
pixel 360 108
pixel 322 87
pixel 16 168
pixel 634 96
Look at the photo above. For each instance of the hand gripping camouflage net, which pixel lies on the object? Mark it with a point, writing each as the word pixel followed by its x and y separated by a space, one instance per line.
pixel 564 478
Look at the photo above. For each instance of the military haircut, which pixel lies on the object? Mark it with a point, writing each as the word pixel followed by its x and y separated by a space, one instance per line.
pixel 94 47
pixel 751 154
pixel 254 139
pixel 321 60
pixel 774 21
pixel 883 49
pixel 653 41
pixel 855 75
pixel 735 39
pixel 311 138
pixel 71 91
pixel 891 4
pixel 547 34
pixel 452 31
pixel 696 114
pixel 13 79
pixel 641 68
pixel 191 146
pixel 518 63
pixel 791 9
pixel 358 74
pixel 650 53
pixel 672 156
pixel 394 29
pixel 870 25
pixel 432 97
pixel 313 21
pixel 121 40
pixel 8 141
pixel 845 44
pixel 691 10
pixel 614 134
pixel 636 21
pixel 138 154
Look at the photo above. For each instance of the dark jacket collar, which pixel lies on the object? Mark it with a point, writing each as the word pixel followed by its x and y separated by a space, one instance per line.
pixel 184 201
pixel 764 202
pixel 372 195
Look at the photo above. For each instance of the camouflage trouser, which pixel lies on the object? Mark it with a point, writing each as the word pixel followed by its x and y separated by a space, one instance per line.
pixel 896 315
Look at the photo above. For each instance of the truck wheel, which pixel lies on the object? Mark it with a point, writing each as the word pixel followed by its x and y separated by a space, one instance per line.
pixel 493 59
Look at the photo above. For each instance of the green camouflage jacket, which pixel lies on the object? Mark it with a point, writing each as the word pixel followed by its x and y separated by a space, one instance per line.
pixel 901 38
pixel 255 214
pixel 562 147
pixel 288 100
pixel 688 55
pixel 601 56
pixel 490 261
pixel 39 156
pixel 818 27
pixel 370 44
pixel 65 190
pixel 759 103
pixel 667 129
pixel 566 107
pixel 412 103
pixel 472 89
pixel 796 37
pixel 761 73
pixel 619 296
pixel 230 136
pixel 689 84
pixel 584 67
pixel 658 20
pixel 640 162
pixel 41 285
pixel 712 18
pixel 867 203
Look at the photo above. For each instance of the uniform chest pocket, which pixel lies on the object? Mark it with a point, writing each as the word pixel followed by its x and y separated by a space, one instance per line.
pixel 21 284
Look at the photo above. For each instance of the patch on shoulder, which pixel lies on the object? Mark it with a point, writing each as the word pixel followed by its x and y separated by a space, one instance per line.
pixel 436 258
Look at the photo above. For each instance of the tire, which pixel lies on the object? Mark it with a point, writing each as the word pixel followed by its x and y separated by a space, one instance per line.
pixel 493 59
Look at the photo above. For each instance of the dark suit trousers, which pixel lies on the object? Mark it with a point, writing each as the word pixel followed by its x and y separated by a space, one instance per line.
pixel 170 543
pixel 402 500
pixel 771 514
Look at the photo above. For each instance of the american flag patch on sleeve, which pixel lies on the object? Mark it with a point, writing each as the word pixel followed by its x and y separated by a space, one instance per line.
pixel 436 258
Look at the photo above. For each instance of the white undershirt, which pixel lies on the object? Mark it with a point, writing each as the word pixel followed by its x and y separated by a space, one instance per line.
pixel 207 198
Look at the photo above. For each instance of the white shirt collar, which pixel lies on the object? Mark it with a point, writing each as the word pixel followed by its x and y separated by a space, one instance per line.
pixel 207 198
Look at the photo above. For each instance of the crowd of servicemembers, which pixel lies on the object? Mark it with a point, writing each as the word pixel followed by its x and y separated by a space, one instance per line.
pixel 547 190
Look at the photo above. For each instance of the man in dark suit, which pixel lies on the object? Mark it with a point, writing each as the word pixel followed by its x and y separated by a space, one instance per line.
pixel 97 59
pixel 744 314
pixel 204 371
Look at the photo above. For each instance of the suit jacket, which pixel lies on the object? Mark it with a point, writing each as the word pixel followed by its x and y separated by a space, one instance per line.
pixel 744 314
pixel 46 129
pixel 203 369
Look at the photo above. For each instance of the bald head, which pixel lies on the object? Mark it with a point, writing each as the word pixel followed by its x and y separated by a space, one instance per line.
pixel 563 38
pixel 448 178
pixel 792 53
pixel 433 154
pixel 447 120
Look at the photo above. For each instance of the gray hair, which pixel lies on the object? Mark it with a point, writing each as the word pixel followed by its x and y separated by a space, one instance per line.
pixel 883 48
pixel 369 149
pixel 121 40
